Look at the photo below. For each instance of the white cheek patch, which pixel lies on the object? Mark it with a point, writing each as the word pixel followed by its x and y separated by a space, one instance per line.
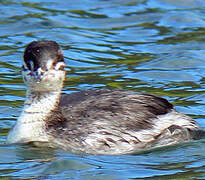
pixel 49 64
pixel 24 64
pixel 31 65
pixel 60 51
pixel 59 66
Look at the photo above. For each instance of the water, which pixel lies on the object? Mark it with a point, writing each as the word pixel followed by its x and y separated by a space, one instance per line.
pixel 153 46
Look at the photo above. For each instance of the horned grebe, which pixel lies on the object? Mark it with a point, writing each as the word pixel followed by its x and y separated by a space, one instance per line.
pixel 94 121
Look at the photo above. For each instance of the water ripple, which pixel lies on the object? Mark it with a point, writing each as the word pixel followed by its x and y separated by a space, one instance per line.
pixel 154 46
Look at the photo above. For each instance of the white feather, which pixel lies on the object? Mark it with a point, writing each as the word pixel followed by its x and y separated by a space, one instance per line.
pixel 30 126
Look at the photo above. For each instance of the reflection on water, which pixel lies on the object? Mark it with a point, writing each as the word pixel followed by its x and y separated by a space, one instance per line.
pixel 154 46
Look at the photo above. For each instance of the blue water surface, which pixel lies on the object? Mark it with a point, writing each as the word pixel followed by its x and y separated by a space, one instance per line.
pixel 152 46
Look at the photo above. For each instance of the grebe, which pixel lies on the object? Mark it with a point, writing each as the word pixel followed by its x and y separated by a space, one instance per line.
pixel 95 121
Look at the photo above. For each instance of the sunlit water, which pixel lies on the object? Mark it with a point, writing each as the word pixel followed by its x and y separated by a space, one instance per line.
pixel 153 46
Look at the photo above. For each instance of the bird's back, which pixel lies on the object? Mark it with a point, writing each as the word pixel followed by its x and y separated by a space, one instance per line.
pixel 115 122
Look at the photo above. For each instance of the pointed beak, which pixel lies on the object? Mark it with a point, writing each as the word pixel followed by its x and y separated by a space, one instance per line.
pixel 37 74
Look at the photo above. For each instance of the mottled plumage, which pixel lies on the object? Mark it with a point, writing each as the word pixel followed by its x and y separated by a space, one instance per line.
pixel 94 121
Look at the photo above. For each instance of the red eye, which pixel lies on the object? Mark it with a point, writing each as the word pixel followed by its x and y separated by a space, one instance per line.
pixel 59 65
pixel 53 65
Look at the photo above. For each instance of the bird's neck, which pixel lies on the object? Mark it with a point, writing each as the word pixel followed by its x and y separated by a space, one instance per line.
pixel 41 102
pixel 30 125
